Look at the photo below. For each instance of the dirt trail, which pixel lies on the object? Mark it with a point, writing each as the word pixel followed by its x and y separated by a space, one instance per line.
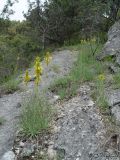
pixel 10 104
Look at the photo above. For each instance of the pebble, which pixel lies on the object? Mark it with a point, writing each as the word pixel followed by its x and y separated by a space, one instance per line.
pixel 51 153
pixel 21 144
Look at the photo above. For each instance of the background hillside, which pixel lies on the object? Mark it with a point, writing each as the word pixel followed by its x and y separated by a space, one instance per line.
pixel 52 24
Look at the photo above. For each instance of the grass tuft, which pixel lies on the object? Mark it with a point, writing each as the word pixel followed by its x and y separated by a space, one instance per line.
pixel 116 80
pixel 36 115
pixel 10 86
pixel 99 95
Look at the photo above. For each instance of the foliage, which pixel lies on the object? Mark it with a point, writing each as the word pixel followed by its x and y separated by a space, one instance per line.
pixel 56 22
pixel 61 21
pixel 16 48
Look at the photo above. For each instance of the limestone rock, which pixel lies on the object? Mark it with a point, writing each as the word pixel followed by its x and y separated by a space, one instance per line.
pixel 113 98
pixel 28 150
pixel 116 113
pixel 112 46
pixel 51 153
pixel 9 156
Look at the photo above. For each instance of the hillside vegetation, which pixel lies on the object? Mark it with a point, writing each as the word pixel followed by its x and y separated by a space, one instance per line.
pixel 54 23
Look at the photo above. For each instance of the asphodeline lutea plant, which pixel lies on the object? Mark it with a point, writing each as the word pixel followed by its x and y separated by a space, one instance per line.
pixel 27 77
pixel 48 58
pixel 101 77
pixel 38 70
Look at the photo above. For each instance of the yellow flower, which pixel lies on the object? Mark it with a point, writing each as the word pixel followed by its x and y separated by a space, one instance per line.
pixel 27 77
pixel 48 58
pixel 101 77
pixel 38 70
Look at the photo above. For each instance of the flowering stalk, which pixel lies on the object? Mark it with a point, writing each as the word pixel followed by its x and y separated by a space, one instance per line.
pixel 27 77
pixel 38 70
pixel 48 58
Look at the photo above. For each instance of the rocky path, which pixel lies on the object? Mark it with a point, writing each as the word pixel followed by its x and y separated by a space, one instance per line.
pixel 10 105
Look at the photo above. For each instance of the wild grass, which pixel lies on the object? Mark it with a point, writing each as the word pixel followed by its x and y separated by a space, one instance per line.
pixel 10 86
pixel 100 95
pixel 85 69
pixel 116 80
pixel 36 115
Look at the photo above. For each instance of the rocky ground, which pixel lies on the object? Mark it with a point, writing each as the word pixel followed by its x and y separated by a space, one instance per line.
pixel 80 131
pixel 10 105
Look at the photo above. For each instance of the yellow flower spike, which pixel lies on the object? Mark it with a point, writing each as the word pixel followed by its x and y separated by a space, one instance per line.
pixel 48 58
pixel 38 70
pixel 101 77
pixel 27 77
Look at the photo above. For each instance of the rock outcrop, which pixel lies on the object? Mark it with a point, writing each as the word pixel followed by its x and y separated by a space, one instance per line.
pixel 112 46
pixel 112 50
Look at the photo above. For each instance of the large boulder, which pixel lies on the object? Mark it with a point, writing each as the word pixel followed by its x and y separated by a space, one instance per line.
pixel 112 46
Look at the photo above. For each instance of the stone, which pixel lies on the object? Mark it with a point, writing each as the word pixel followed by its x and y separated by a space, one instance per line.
pixel 91 103
pixel 54 99
pixel 113 97
pixel 9 156
pixel 21 144
pixel 112 46
pixel 28 150
pixel 41 153
pixel 51 153
pixel 113 68
pixel 116 113
pixel 18 105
